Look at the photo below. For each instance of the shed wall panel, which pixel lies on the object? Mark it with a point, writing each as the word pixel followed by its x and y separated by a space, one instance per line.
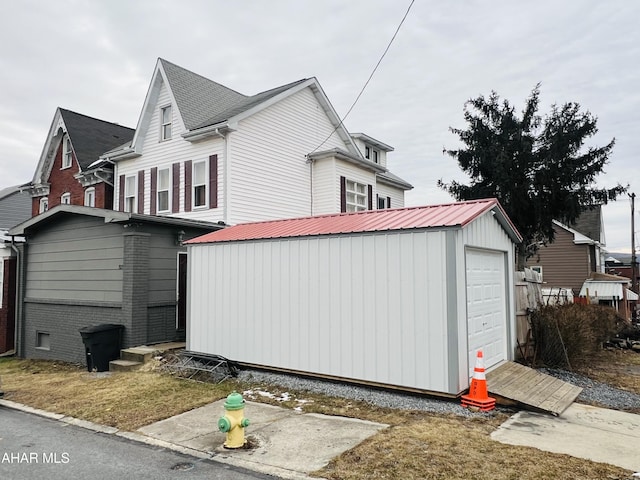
pixel 366 307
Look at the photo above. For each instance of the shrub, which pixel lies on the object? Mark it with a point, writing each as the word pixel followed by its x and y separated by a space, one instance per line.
pixel 568 335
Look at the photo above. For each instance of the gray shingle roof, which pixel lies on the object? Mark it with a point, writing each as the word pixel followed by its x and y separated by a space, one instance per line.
pixel 91 137
pixel 589 223
pixel 203 102
pixel 197 97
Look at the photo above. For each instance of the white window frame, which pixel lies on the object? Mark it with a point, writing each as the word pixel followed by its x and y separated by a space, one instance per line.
pixel 382 200
pixel 367 152
pixel 203 185
pixel 65 198
pixel 162 189
pixel 376 156
pixel 44 205
pixel 90 197
pixel 130 197
pixel 67 152
pixel 356 196
pixel 166 124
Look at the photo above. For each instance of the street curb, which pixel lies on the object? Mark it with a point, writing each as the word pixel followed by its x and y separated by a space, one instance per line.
pixel 218 457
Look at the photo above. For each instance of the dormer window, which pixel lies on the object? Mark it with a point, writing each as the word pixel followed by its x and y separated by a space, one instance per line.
pixel 65 199
pixel 165 123
pixel 67 155
pixel 372 154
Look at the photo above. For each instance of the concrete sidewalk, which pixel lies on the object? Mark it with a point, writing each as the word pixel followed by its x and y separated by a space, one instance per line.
pixel 288 444
pixel 598 434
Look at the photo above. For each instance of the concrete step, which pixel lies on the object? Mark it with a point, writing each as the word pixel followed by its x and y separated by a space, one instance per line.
pixel 123 365
pixel 138 354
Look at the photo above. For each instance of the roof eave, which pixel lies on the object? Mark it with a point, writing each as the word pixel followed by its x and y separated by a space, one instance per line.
pixel 347 157
pixel 394 183
pixel 219 130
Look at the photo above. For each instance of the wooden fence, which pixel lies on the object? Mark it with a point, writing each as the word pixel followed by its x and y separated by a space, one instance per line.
pixel 528 292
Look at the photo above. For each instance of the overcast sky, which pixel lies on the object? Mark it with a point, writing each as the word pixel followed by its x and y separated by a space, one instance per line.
pixel 97 57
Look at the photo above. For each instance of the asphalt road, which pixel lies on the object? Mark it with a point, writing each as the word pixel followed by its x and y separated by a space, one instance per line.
pixel 33 447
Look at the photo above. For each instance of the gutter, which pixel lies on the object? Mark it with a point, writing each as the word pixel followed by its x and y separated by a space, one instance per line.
pixel 17 334
pixel 218 130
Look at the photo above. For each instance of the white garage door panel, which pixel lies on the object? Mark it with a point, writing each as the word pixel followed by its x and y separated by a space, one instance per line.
pixel 486 307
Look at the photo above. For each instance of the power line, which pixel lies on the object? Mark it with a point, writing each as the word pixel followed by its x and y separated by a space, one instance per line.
pixel 368 79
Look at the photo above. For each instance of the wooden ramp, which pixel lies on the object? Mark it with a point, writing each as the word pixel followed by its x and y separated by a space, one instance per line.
pixel 515 384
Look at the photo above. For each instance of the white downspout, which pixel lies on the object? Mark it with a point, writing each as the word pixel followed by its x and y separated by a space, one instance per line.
pixel 226 179
pixel 17 317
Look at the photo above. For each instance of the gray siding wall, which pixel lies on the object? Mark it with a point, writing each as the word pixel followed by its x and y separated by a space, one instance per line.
pixel 15 208
pixel 80 260
pixel 62 322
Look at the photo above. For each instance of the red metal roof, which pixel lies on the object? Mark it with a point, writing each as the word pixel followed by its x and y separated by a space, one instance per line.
pixel 431 216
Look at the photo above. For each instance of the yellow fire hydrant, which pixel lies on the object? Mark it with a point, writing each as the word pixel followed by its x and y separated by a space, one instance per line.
pixel 234 423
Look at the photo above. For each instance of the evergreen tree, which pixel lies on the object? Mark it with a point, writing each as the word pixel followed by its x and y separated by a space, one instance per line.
pixel 538 168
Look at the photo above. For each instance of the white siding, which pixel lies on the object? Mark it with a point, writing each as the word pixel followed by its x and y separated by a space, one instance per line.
pixel 162 154
pixel 396 194
pixel 326 187
pixel 382 155
pixel 322 305
pixel 484 233
pixel 269 174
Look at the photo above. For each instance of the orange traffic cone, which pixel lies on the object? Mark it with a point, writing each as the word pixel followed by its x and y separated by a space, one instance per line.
pixel 478 395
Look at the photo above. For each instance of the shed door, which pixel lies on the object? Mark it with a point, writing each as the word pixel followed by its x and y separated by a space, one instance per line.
pixel 486 306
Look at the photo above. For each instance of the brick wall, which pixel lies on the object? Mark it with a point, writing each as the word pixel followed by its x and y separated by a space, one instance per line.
pixel 63 181
pixel 135 286
pixel 62 322
pixel 7 308
pixel 161 323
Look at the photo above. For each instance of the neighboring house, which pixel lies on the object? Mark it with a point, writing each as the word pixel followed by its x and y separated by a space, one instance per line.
pixel 68 171
pixel 576 252
pixel 15 207
pixel 85 266
pixel 204 151
pixel 401 297
pixel 613 290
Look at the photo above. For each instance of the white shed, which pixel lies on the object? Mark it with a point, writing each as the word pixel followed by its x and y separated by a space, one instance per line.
pixel 400 297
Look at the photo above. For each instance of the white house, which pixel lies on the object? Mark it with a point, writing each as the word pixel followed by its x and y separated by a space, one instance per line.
pixel 204 151
pixel 402 297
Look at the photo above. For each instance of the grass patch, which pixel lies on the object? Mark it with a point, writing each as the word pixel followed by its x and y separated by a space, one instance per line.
pixel 417 445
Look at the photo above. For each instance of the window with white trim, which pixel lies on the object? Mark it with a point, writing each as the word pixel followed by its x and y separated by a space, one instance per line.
pixel 130 194
pixel 164 187
pixel 44 205
pixel 65 199
pixel 67 155
pixel 382 202
pixel 90 197
pixel 165 123
pixel 356 196
pixel 199 184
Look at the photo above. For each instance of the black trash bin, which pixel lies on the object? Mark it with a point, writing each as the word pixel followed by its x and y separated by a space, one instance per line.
pixel 102 344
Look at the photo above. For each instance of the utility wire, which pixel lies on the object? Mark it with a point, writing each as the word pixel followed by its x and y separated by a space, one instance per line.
pixel 368 79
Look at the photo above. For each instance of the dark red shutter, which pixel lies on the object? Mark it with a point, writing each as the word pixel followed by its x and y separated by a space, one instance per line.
pixel 121 194
pixel 154 191
pixel 213 181
pixel 388 202
pixel 188 172
pixel 175 197
pixel 370 197
pixel 343 194
pixel 141 191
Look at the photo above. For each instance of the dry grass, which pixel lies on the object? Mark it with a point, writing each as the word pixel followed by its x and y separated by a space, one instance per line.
pixel 417 445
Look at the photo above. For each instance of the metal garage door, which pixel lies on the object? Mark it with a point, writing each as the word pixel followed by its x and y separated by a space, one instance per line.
pixel 486 306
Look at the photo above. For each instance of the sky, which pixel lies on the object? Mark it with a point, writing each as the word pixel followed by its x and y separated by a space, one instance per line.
pixel 96 57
